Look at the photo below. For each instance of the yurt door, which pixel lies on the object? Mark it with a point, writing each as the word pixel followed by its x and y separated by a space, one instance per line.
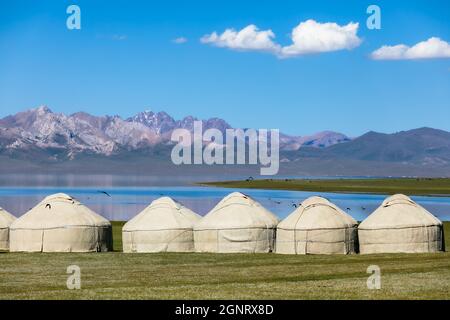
pixel 301 247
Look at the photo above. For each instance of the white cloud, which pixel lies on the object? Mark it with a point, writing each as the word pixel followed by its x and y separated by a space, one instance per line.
pixel 429 49
pixel 180 40
pixel 307 38
pixel 314 37
pixel 249 38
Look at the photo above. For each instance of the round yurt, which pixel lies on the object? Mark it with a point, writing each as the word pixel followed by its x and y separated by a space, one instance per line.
pixel 6 219
pixel 236 224
pixel 317 226
pixel 400 225
pixel 60 224
pixel 164 226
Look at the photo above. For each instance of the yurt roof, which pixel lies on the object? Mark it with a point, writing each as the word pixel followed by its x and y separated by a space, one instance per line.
pixel 399 211
pixel 56 211
pixel 163 214
pixel 236 211
pixel 317 213
pixel 6 218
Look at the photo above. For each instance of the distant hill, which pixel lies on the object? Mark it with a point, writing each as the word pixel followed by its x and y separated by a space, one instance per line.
pixel 417 152
pixel 424 146
pixel 43 141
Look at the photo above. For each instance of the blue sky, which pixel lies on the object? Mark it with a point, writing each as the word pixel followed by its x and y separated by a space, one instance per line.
pixel 124 60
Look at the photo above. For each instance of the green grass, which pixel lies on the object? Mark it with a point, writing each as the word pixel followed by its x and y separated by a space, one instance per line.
pixel 117 235
pixel 116 275
pixel 409 186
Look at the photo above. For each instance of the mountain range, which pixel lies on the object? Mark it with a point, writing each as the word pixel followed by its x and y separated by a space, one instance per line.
pixel 39 139
pixel 57 136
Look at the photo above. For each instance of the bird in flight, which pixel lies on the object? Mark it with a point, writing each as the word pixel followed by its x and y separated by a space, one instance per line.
pixel 104 192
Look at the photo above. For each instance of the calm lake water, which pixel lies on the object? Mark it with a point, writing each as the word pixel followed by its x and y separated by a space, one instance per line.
pixel 126 201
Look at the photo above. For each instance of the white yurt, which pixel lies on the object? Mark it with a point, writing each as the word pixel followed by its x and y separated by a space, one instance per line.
pixel 60 224
pixel 400 225
pixel 317 226
pixel 164 226
pixel 6 219
pixel 236 224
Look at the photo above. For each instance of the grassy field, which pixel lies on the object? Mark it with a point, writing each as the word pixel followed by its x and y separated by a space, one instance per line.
pixel 409 186
pixel 117 275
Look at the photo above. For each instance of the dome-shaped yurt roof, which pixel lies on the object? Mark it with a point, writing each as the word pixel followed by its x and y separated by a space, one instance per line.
pixel 59 210
pixel 60 223
pixel 237 223
pixel 6 219
pixel 163 213
pixel 165 225
pixel 400 225
pixel 317 213
pixel 317 226
pixel 399 211
pixel 235 211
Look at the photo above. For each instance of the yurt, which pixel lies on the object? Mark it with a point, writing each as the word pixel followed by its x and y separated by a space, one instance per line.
pixel 60 224
pixel 6 219
pixel 164 226
pixel 400 225
pixel 236 224
pixel 317 226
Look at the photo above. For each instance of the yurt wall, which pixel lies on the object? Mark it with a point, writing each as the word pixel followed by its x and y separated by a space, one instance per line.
pixel 236 224
pixel 400 225
pixel 165 225
pixel 317 226
pixel 60 224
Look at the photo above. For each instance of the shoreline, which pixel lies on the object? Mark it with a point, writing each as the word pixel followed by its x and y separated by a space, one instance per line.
pixel 426 187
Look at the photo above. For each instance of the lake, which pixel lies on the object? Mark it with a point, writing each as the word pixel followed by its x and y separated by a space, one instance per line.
pixel 126 201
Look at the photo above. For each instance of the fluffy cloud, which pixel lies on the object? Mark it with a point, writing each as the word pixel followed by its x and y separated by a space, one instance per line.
pixel 307 38
pixel 429 49
pixel 249 38
pixel 180 40
pixel 314 37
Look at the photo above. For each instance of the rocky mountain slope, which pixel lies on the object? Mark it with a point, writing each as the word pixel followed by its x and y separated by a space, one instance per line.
pixel 41 132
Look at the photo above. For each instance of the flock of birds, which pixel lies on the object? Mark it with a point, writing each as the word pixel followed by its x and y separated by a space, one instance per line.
pixel 277 202
pixel 295 205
